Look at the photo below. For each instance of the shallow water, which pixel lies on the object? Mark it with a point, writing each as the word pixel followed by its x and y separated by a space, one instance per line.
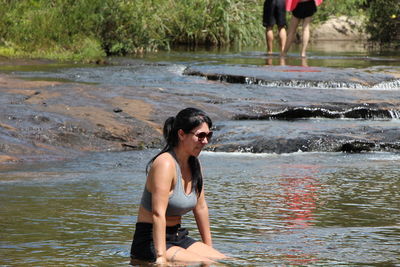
pixel 318 208
pixel 265 209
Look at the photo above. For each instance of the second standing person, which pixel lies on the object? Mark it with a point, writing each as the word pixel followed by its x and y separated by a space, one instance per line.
pixel 301 10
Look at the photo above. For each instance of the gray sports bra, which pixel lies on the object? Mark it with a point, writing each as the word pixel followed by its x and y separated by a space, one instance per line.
pixel 179 203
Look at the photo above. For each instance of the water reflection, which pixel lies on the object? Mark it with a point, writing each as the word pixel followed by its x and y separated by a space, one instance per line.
pixel 298 201
pixel 280 210
pixel 281 61
pixel 290 209
pixel 299 198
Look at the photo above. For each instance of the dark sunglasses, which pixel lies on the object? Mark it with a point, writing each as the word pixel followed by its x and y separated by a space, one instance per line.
pixel 203 135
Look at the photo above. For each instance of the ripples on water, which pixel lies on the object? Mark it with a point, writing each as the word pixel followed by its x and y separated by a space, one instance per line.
pixel 265 209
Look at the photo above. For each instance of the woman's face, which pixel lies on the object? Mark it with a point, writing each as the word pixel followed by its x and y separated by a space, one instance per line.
pixel 194 141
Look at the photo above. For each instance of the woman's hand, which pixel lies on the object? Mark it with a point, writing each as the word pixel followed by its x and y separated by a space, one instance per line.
pixel 161 261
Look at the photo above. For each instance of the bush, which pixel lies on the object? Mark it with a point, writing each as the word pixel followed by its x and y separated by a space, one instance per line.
pixel 331 8
pixel 51 29
pixel 90 29
pixel 125 26
pixel 384 21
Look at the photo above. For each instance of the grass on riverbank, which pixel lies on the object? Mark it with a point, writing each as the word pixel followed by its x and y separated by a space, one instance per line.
pixel 88 30
pixel 86 50
pixel 91 29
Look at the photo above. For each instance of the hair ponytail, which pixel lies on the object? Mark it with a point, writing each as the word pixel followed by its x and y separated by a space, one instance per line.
pixel 168 137
pixel 168 129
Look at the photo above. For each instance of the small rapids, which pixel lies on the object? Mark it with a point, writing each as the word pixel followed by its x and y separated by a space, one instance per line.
pixel 232 87
pixel 394 114
pixel 309 112
pixel 297 77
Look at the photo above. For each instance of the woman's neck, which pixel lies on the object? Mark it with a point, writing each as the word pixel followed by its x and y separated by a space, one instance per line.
pixel 182 157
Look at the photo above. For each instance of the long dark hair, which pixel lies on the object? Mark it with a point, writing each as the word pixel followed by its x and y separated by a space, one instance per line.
pixel 187 119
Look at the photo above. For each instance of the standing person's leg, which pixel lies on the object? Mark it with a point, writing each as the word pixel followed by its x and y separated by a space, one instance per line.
pixel 268 23
pixel 280 16
pixel 282 37
pixel 294 22
pixel 269 36
pixel 306 35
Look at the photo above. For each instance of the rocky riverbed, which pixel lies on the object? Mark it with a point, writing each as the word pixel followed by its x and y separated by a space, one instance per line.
pixel 47 120
pixel 68 111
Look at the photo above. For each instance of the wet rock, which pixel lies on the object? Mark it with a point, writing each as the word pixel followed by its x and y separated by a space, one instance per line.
pixel 357 147
pixel 133 145
pixel 319 112
pixel 362 146
pixel 299 135
pixel 6 158
pixel 67 139
pixel 312 144
pixel 367 113
pixel 39 119
pixel 76 119
pixel 110 137
pixel 292 76
pixel 271 109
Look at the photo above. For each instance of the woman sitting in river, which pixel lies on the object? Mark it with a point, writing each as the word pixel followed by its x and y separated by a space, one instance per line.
pixel 174 186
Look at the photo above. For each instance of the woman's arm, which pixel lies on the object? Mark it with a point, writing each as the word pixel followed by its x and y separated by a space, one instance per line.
pixel 161 177
pixel 202 219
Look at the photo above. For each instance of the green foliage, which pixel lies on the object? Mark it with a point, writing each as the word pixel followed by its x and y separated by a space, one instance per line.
pixel 384 21
pixel 53 29
pixel 142 24
pixel 37 27
pixel 90 29
pixel 337 8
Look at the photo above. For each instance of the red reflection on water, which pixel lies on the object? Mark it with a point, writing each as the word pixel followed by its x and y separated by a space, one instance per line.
pixel 299 197
pixel 299 201
pixel 298 258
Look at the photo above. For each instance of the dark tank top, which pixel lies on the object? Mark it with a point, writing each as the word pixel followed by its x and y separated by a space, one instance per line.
pixel 179 203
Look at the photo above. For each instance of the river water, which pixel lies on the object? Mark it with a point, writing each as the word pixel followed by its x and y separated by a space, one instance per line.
pixel 265 209
pixel 315 208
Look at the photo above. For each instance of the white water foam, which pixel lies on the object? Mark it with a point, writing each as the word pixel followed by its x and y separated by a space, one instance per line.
pixel 389 85
pixel 395 114
pixel 384 156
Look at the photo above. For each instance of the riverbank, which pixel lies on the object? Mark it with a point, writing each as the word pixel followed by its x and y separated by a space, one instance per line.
pixel 340 28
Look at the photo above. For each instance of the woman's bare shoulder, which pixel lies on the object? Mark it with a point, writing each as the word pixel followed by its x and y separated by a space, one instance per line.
pixel 163 168
pixel 164 161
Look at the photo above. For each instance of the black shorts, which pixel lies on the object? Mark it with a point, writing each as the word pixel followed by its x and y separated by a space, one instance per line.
pixel 305 9
pixel 143 245
pixel 274 13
